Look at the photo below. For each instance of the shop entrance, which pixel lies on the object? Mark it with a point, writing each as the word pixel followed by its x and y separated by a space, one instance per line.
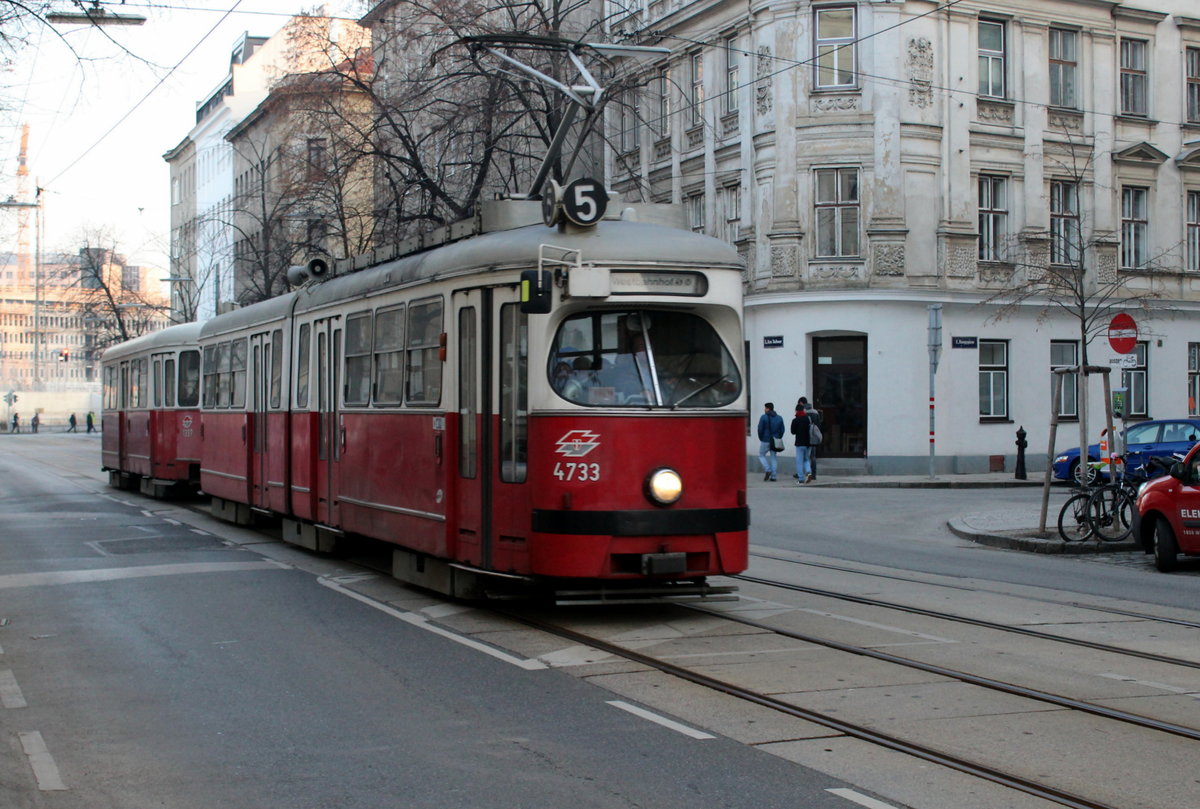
pixel 840 386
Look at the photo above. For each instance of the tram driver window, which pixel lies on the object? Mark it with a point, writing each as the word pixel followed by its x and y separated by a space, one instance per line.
pixel 642 359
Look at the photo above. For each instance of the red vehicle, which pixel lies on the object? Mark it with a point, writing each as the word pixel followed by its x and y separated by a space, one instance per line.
pixel 151 411
pixel 1167 518
pixel 559 407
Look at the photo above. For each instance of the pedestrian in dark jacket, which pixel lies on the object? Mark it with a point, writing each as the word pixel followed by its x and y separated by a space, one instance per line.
pixel 816 418
pixel 800 428
pixel 770 428
pixel 71 421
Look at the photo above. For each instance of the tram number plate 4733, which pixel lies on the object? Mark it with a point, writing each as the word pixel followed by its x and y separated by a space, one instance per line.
pixel 583 472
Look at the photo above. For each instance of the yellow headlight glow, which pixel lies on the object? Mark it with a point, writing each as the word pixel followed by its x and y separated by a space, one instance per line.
pixel 664 486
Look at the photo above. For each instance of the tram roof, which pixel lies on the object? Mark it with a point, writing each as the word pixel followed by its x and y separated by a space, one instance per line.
pixel 183 335
pixel 611 242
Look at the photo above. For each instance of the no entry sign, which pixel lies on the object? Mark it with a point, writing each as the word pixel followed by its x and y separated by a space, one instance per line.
pixel 1122 333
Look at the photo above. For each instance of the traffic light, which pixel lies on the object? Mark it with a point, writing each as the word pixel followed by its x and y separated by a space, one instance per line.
pixel 64 355
pixel 10 398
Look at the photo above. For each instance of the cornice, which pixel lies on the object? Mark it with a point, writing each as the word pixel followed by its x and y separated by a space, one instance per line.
pixel 1139 15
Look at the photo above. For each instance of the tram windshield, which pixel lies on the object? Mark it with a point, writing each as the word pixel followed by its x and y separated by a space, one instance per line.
pixel 641 359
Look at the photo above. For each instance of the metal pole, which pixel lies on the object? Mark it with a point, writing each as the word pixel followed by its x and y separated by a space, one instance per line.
pixel 935 349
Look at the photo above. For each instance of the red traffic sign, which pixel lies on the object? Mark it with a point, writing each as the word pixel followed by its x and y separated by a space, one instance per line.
pixel 1122 333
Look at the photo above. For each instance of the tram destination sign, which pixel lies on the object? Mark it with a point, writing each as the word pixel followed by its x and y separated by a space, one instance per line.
pixel 692 284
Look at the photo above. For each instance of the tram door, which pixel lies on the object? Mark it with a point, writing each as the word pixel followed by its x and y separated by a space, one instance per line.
pixel 490 333
pixel 260 369
pixel 330 437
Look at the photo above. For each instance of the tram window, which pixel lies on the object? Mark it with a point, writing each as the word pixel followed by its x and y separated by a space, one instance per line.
pixel 110 400
pixel 302 366
pixel 358 358
pixel 189 378
pixel 168 383
pixel 468 393
pixel 237 369
pixel 139 383
pixel 424 368
pixel 211 376
pixel 158 382
pixel 276 367
pixel 642 358
pixel 514 392
pixel 224 377
pixel 389 356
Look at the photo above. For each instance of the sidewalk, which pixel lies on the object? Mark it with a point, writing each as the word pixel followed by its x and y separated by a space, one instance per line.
pixel 1014 529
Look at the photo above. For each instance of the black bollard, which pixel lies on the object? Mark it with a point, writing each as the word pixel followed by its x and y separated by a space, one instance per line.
pixel 1021 444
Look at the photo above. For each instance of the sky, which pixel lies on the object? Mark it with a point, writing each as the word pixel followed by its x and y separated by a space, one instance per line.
pixel 104 104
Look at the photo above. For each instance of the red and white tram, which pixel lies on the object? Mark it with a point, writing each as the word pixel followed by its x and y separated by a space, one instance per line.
pixel 151 415
pixel 549 406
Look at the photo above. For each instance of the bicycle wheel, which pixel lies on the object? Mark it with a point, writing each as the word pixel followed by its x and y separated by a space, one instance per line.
pixel 1073 522
pixel 1110 509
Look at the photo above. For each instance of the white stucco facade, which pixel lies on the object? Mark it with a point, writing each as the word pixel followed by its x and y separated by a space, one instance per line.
pixel 872 158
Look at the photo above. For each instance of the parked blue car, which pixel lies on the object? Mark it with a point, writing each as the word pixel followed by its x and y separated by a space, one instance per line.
pixel 1146 439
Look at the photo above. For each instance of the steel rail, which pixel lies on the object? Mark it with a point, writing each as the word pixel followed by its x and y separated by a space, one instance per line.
pixel 980 622
pixel 848 728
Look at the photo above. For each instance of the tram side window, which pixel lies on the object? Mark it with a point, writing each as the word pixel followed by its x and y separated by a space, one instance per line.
pixel 137 391
pixel 168 383
pixel 210 376
pixel 302 353
pixel 276 368
pixel 110 387
pixel 189 378
pixel 224 377
pixel 389 356
pixel 358 358
pixel 158 382
pixel 237 368
pixel 424 369
pixel 514 392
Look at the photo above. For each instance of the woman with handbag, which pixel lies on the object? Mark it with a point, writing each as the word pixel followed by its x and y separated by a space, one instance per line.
pixel 801 426
pixel 770 441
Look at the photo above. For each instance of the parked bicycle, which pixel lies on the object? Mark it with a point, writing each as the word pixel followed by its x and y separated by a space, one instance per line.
pixel 1110 507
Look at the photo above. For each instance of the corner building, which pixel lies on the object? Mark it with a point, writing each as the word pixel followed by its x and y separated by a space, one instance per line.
pixel 872 158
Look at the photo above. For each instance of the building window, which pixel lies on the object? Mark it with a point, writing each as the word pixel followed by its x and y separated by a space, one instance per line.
pixel 1193 231
pixel 991 59
pixel 316 158
pixel 837 212
pixel 630 121
pixel 993 216
pixel 1192 59
pixel 662 92
pixel 835 48
pixel 1194 379
pixel 1063 64
pixel 993 379
pixel 731 214
pixel 1065 354
pixel 1134 80
pixel 733 61
pixel 1066 245
pixel 694 206
pixel 1135 227
pixel 1135 380
pixel 696 96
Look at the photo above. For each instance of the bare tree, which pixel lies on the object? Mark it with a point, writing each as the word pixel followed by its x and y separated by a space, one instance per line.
pixel 113 308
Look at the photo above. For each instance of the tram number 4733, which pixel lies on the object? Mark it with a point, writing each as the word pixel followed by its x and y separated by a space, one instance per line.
pixel 583 472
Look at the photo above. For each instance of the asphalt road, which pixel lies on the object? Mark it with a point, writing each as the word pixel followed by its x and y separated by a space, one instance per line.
pixel 148 664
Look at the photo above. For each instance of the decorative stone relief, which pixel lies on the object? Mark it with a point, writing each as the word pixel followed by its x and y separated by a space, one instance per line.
pixel 888 259
pixel 784 260
pixel 763 80
pixel 836 272
pixel 1106 266
pixel 695 137
pixel 994 113
pixel 920 72
pixel 662 149
pixel 834 103
pixel 960 260
pixel 995 272
pixel 1061 121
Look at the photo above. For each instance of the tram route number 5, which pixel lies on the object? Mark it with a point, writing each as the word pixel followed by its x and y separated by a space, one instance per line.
pixel 583 202
pixel 572 470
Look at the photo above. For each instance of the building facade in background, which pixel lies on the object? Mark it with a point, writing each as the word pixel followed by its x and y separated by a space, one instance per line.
pixel 870 159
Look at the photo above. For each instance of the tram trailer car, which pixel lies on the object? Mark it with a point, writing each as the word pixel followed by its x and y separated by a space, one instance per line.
pixel 562 408
pixel 150 419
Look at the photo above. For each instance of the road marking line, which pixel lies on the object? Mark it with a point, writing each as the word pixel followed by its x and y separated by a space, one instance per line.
pixel 44 768
pixel 10 692
pixel 874 625
pixel 678 727
pixel 172 522
pixel 860 799
pixel 1173 689
pixel 421 622
pixel 113 574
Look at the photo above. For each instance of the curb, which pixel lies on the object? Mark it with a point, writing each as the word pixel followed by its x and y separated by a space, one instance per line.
pixel 1015 542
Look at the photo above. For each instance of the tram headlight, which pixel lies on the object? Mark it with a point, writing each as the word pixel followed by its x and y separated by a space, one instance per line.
pixel 664 486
